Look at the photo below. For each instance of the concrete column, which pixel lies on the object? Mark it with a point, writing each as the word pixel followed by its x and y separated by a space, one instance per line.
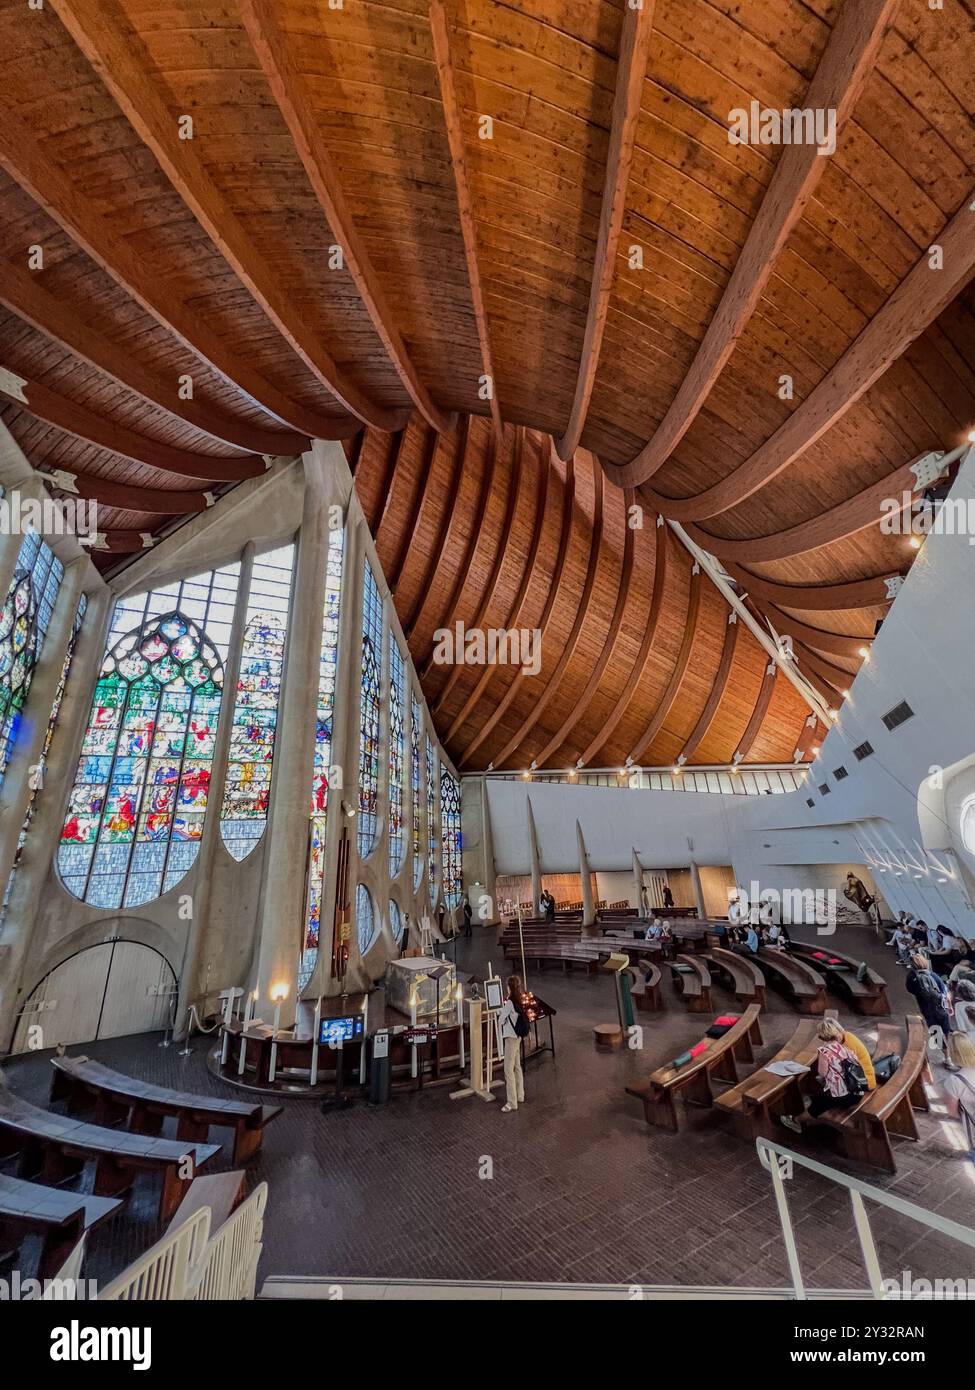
pixel 282 902
pixel 28 487
pixel 490 874
pixel 192 976
pixel 588 906
pixel 638 881
pixel 698 893
pixel 536 863
pixel 17 944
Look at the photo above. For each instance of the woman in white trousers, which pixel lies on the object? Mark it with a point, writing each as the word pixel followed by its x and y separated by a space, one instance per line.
pixel 511 1013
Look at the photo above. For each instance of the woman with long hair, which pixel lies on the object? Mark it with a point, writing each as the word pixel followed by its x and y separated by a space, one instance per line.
pixel 514 1026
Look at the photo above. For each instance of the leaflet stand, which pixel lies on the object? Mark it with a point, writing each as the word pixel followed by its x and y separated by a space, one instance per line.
pixel 485 1043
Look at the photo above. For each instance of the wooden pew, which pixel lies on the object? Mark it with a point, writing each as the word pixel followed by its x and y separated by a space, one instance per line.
pixel 142 1107
pixel 694 984
pixel 57 1147
pixel 755 1102
pixel 744 976
pixel 868 995
pixel 60 1218
pixel 864 1131
pixel 645 988
pixel 797 980
pixel 717 1059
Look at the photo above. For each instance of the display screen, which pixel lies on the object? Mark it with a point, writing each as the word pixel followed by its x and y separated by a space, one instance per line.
pixel 333 1031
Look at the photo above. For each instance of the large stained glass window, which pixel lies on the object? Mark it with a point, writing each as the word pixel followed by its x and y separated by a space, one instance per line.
pixel 397 755
pixel 395 921
pixel 136 811
pixel 366 925
pixel 416 786
pixel 24 623
pixel 450 836
pixel 432 855
pixel 327 658
pixel 243 816
pixel 37 782
pixel 370 711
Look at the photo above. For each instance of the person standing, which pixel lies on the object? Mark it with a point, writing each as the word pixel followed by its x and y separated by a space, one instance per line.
pixel 668 896
pixel 468 914
pixel 933 1000
pixel 514 1027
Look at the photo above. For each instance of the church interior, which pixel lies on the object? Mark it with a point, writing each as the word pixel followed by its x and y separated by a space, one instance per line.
pixel 487 678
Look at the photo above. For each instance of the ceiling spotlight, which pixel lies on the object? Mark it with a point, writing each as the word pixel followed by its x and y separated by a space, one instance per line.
pixel 678 771
pixel 865 653
pixel 914 543
pixel 815 750
pixel 845 694
pixel 971 436
pixel 572 773
pixel 834 714
pixel 526 775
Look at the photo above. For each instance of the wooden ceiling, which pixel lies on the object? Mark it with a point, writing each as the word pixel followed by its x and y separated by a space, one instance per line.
pixel 228 226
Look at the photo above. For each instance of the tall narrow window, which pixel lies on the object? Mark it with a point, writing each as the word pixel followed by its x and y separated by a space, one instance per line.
pixel 450 836
pixel 38 781
pixel 243 816
pixel 416 787
pixel 327 658
pixel 397 755
pixel 395 921
pixel 432 855
pixel 370 710
pixel 136 811
pixel 366 924
pixel 24 622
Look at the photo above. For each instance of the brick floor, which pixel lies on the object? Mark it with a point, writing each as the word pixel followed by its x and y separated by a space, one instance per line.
pixel 581 1190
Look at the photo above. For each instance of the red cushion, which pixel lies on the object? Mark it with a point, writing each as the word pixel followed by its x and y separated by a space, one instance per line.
pixel 698 1047
pixel 819 955
pixel 727 1019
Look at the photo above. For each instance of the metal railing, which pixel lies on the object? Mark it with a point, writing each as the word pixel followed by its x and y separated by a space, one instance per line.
pixel 779 1162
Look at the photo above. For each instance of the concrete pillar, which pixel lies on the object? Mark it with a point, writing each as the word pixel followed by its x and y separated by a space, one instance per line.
pixel 698 893
pixel 193 974
pixel 17 944
pixel 488 914
pixel 638 881
pixel 536 863
pixel 588 906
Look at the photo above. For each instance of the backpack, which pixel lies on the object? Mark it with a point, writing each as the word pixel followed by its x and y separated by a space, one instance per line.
pixel 521 1024
pixel 854 1076
pixel 928 986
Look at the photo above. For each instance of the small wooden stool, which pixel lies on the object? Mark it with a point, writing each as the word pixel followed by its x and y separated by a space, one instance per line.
pixel 606 1035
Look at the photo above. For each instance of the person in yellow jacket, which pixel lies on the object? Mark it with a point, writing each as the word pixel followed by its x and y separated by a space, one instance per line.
pixel 860 1052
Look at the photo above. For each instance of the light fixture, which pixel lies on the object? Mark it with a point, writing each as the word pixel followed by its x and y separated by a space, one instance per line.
pixel 678 771
pixel 971 436
pixel 914 543
pixel 278 993
pixel 572 773
pixel 815 750
pixel 527 775
pixel 845 694
pixel 865 653
pixel 834 714
pixel 734 769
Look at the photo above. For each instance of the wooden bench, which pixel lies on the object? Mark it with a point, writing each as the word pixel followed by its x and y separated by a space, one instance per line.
pixel 645 988
pixel 542 955
pixel 717 1058
pixel 142 1107
pixel 864 1130
pixel 868 995
pixel 802 985
pixel 60 1218
pixel 57 1147
pixel 693 984
pixel 754 1103
pixel 743 975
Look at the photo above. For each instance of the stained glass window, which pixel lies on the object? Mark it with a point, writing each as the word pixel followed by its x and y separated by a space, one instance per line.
pixel 136 811
pixel 24 622
pixel 450 836
pixel 395 921
pixel 328 653
pixel 370 711
pixel 397 755
pixel 432 855
pixel 37 782
pixel 415 784
pixel 366 926
pixel 248 786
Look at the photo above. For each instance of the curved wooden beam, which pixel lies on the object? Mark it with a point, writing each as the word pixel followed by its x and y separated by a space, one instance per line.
pixel 838 644
pixel 23 158
pixel 21 293
pixel 859 593
pixel 637 28
pixel 287 88
pixel 394 447
pixel 499 558
pixel 568 501
pixel 839 680
pixel 717 690
pixel 76 420
pixel 846 519
pixel 464 569
pixel 462 187
pixel 844 67
pixel 677 675
pixel 513 615
pixel 918 300
pixel 420 489
pixel 435 556
pixel 831 693
pixel 117 54
pixel 661 550
pixel 622 593
pixel 582 612
pixel 765 692
pixel 126 498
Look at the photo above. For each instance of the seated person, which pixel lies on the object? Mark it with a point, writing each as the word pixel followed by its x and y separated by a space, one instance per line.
pixel 833 1056
pixel 778 937
pixel 748 942
pixel 964 969
pixel 919 930
pixel 903 944
pixel 657 930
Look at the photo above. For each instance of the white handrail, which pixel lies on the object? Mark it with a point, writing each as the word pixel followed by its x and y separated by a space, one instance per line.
pixel 228 1270
pixel 163 1272
pixel 770 1155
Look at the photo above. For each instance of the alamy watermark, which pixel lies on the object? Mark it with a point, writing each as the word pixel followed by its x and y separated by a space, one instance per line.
pixel 907 516
pixel 50 516
pixel 763 125
pixel 760 906
pixel 491 646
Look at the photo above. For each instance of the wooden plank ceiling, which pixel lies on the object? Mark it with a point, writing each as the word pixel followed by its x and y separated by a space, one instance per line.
pixel 507 253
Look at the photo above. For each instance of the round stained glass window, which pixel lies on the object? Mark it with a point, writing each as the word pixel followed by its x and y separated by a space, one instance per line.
pixel 967 821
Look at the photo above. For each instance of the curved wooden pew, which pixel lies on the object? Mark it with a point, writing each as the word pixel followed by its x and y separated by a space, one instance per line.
pixel 800 983
pixel 868 995
pixel 142 1107
pixel 60 1218
pixel 693 984
pixel 645 987
pixel 716 1058
pixel 864 1131
pixel 57 1147
pixel 743 975
pixel 755 1103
